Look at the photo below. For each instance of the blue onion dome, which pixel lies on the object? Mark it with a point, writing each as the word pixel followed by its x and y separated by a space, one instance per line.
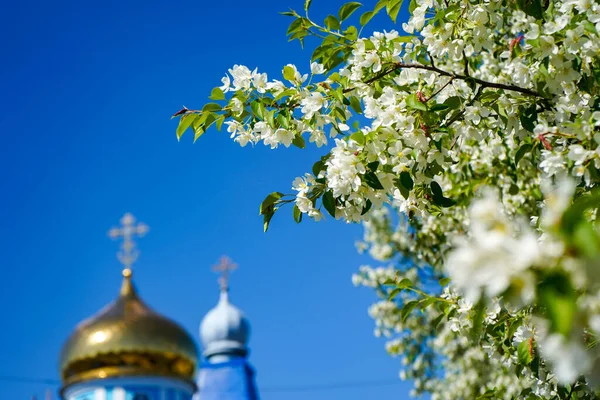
pixel 224 331
pixel 128 338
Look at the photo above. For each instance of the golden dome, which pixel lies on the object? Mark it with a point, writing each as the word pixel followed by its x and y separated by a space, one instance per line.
pixel 127 338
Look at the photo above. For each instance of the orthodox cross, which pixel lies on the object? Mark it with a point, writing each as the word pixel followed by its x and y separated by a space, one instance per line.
pixel 128 254
pixel 224 267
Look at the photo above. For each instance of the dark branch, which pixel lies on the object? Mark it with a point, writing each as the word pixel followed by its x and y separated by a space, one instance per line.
pixel 484 84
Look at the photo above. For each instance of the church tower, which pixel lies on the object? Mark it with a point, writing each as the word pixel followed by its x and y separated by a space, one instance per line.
pixel 225 373
pixel 128 351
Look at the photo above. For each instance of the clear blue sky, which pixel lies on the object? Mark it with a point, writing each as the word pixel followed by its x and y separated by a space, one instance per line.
pixel 87 89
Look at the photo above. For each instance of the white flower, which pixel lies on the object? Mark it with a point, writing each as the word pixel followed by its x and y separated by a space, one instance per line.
pixel 372 60
pixel 276 87
pixel 557 198
pixel 237 107
pixel 522 334
pixel 578 154
pixel 316 68
pixel 284 136
pixel 242 77
pixel 497 253
pixel 318 137
pixel 259 81
pixel 238 134
pixel 226 83
pixel 311 104
pixel 552 164
pixel 569 357
pixel 297 78
pixel 343 169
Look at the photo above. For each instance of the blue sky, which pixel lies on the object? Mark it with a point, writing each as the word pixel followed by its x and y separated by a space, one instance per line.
pixel 87 90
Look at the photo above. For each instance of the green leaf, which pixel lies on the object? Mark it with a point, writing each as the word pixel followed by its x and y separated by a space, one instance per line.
pixel 295 26
pixel 407 309
pixel 211 107
pixel 319 165
pixel 576 212
pixel 367 207
pixel 288 92
pixel 288 73
pixel 372 166
pixel 380 5
pixel 436 189
pixel 438 196
pixel 444 282
pixel 426 302
pixel 297 214
pixel 453 102
pixel 439 107
pixel 479 309
pixel 403 190
pixel 329 203
pixel 532 8
pixel 258 109
pixel 219 122
pixel 523 353
pixel 526 148
pixel 528 117
pixel 348 9
pixel 558 298
pixel 299 141
pixel 217 94
pixel 199 124
pixel 271 118
pixel 358 137
pixel 489 97
pixel 404 283
pixel 392 8
pixel 412 6
pixel 413 102
pixel 406 180
pixel 488 394
pixel 586 239
pixel 373 181
pixel 355 104
pixel 445 202
pixel 267 205
pixel 366 17
pixel 393 294
pixel 184 123
pixel 267 220
pixel 332 23
pixel 338 94
pixel 307 4
pixel 283 121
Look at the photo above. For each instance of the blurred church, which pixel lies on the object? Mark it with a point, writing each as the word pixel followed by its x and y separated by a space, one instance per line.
pixel 128 351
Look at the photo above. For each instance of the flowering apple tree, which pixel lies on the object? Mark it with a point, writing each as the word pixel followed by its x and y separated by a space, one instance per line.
pixel 467 142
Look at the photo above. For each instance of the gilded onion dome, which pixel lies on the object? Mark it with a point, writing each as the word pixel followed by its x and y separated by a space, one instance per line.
pixel 128 338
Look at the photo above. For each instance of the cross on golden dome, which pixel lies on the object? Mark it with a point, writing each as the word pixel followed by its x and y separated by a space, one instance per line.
pixel 224 267
pixel 128 230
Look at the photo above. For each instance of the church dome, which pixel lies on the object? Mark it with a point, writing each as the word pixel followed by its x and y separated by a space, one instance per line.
pixel 224 330
pixel 128 338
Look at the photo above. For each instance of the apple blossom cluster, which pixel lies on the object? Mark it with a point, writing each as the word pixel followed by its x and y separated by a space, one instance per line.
pixel 468 145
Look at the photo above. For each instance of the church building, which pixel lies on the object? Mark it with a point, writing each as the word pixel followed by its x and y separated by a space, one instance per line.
pixel 127 351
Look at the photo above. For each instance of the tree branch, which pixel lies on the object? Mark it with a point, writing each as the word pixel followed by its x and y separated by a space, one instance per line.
pixel 440 89
pixel 484 84
pixel 462 112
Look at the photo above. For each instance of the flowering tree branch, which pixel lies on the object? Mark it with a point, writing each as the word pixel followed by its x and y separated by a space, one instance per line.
pixel 485 84
pixel 492 249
